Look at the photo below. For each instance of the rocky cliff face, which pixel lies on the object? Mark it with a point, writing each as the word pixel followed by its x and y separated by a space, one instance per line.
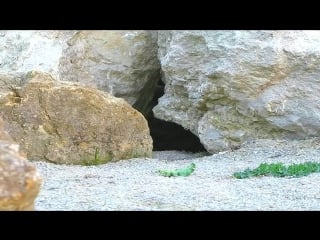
pixel 229 86
pixel 223 86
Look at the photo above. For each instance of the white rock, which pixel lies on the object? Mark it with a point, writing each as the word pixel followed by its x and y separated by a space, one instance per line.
pixel 24 51
pixel 228 86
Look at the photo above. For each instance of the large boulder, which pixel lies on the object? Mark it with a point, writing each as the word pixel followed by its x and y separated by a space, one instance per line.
pixel 229 86
pixel 20 182
pixel 123 63
pixel 64 122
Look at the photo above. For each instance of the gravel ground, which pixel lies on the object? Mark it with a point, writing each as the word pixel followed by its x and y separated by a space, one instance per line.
pixel 134 184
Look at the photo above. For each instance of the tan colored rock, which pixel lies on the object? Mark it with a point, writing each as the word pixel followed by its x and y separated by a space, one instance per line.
pixel 19 180
pixel 67 123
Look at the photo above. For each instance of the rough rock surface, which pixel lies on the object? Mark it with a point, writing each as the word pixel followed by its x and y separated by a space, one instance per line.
pixel 123 63
pixel 20 182
pixel 64 122
pixel 229 86
pixel 24 51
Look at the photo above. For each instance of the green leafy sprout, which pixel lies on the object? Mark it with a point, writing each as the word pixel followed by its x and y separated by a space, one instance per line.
pixel 96 160
pixel 280 170
pixel 96 156
pixel 178 172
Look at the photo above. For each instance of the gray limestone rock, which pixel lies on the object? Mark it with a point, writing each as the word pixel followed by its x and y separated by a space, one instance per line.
pixel 230 86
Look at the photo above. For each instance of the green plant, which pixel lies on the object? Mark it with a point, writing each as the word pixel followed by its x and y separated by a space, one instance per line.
pixel 279 170
pixel 95 161
pixel 178 172
pixel 96 156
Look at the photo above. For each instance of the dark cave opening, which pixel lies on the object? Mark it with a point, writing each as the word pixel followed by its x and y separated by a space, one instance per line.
pixel 168 135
